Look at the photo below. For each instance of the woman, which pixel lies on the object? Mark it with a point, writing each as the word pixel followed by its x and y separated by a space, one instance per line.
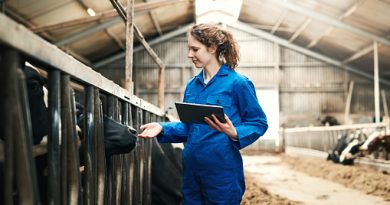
pixel 212 163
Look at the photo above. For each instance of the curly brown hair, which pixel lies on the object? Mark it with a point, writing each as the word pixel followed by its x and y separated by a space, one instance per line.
pixel 227 47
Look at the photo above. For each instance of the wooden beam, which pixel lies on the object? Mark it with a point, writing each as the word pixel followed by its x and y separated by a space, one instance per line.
pixel 300 30
pixel 138 8
pixel 161 66
pixel 176 32
pixel 279 21
pixel 128 84
pixel 347 13
pixel 359 54
pixel 332 21
pixel 155 22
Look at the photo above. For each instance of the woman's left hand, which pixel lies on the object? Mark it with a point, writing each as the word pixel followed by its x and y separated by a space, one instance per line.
pixel 227 127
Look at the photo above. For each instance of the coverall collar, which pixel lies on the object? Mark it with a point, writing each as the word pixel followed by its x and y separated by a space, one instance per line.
pixel 223 71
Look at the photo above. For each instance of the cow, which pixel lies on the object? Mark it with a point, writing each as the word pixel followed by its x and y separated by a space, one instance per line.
pixel 342 143
pixel 347 148
pixel 166 174
pixel 380 143
pixel 38 105
pixel 328 121
pixel 39 120
pixel 377 142
pixel 370 138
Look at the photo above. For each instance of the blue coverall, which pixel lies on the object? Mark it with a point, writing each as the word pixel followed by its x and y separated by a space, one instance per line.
pixel 212 163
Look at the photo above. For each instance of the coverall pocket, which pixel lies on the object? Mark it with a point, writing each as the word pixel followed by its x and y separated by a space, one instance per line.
pixel 221 100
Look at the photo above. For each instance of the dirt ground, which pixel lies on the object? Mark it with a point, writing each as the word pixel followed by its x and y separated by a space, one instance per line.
pixel 256 194
pixel 364 180
pixel 368 180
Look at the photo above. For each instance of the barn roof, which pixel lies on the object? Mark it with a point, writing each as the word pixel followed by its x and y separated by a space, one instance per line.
pixel 342 33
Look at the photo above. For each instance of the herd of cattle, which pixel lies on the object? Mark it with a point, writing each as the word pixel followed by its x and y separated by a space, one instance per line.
pixel 359 144
pixel 166 166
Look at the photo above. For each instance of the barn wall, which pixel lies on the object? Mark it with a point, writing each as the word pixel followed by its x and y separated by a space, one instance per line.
pixel 308 88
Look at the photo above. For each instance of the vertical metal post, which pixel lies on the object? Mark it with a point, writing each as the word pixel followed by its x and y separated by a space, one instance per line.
pixel 376 83
pixel 137 180
pixel 89 172
pixel 125 174
pixel 117 162
pixel 131 160
pixel 110 160
pixel 8 64
pixel 69 158
pixel 25 167
pixel 53 143
pixel 98 150
pixel 147 196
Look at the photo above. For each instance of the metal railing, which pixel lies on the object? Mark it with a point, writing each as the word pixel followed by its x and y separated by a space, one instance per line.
pixel 120 179
pixel 323 138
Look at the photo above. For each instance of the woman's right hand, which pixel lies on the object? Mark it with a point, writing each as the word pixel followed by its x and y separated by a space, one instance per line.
pixel 150 130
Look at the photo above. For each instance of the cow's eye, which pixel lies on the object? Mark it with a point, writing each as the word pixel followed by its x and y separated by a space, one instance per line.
pixel 34 86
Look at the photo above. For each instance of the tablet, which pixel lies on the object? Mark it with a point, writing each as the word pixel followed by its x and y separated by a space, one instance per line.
pixel 195 113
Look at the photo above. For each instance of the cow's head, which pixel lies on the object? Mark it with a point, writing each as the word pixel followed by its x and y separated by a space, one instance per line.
pixel 38 110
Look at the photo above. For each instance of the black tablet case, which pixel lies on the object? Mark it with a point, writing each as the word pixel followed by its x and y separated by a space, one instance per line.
pixel 195 113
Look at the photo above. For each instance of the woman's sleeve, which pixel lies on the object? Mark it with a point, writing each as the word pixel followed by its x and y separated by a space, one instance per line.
pixel 253 120
pixel 173 132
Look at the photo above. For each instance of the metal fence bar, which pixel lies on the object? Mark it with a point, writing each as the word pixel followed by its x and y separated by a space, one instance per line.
pixel 147 196
pixel 8 65
pixel 53 143
pixel 89 171
pixel 98 150
pixel 138 166
pixel 130 182
pixel 125 194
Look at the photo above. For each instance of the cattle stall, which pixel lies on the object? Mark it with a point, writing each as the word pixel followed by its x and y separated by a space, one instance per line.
pixel 320 141
pixel 119 179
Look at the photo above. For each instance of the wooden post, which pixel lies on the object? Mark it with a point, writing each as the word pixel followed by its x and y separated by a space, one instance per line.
pixel 348 103
pixel 376 83
pixel 384 101
pixel 161 67
pixel 128 84
pixel 140 37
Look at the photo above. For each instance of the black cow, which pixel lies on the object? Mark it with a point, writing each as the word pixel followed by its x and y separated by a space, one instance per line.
pixel 166 174
pixel 39 121
pixel 329 121
pixel 38 109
